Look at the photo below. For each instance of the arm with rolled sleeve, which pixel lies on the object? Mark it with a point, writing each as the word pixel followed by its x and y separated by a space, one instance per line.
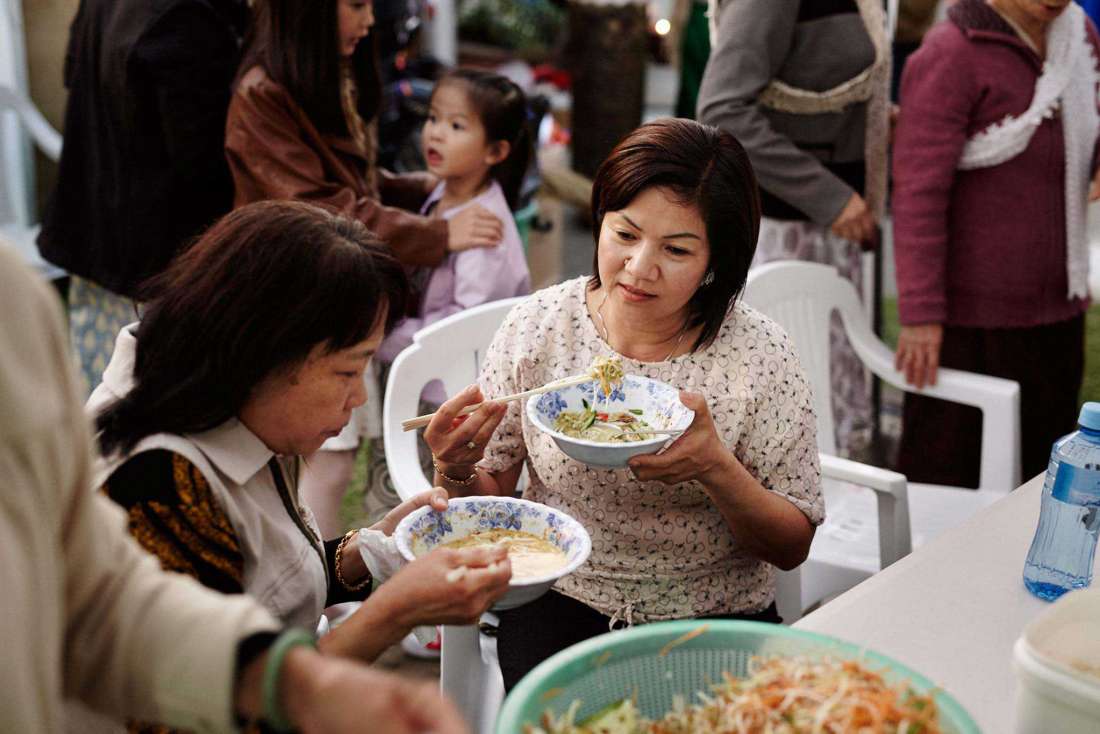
pixel 931 132
pixel 88 614
pixel 754 39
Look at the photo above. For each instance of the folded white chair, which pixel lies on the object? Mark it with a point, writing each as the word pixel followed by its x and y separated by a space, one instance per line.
pixel 801 297
pixel 450 350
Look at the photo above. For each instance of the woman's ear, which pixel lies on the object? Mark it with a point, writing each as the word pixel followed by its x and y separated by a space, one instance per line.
pixel 497 151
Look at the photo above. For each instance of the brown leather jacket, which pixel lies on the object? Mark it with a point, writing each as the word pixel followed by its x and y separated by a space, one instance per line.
pixel 275 152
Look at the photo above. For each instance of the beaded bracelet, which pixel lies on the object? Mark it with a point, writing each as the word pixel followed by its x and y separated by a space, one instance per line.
pixel 340 567
pixel 460 482
pixel 273 713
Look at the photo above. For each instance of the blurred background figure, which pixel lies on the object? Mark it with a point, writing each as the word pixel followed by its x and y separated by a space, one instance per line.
pixel 302 125
pixel 993 157
pixel 805 88
pixel 915 17
pixel 142 166
pixel 690 44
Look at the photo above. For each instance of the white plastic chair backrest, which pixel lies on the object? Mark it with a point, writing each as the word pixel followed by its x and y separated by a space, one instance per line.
pixel 450 350
pixel 802 302
pixel 801 296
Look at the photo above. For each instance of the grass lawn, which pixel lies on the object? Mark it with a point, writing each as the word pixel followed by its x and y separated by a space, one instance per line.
pixel 1090 387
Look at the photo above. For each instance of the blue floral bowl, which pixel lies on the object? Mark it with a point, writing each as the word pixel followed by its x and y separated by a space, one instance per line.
pixel 658 402
pixel 421 531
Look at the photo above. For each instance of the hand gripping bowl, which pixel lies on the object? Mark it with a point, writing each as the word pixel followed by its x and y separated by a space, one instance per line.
pixel 659 402
pixel 641 661
pixel 423 530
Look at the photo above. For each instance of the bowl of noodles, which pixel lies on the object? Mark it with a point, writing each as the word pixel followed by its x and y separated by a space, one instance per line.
pixel 604 423
pixel 543 542
pixel 725 676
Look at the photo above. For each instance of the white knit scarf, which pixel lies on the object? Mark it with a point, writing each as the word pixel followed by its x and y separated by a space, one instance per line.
pixel 1069 79
pixel 872 85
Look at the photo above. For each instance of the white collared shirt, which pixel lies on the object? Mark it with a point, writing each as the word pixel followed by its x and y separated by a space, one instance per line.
pixel 283 568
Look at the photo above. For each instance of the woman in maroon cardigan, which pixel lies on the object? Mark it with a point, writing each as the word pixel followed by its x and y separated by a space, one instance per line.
pixel 992 164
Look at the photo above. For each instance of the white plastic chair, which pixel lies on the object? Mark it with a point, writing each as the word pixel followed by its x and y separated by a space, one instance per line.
pixel 20 124
pixel 848 548
pixel 450 350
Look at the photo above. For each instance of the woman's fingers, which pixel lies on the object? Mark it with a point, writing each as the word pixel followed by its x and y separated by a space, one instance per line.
pixel 466 443
pixel 478 557
pixel 436 497
pixel 444 418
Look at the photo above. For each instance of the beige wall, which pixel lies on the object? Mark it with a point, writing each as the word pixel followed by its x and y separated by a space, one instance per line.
pixel 47 23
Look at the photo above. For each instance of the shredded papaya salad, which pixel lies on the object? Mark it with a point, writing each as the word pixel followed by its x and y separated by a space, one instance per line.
pixel 793 695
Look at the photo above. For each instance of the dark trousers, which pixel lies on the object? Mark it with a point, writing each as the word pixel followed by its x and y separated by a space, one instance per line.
pixel 941 441
pixel 532 633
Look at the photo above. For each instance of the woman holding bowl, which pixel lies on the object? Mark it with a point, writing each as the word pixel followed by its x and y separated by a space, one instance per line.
pixel 250 354
pixel 694 531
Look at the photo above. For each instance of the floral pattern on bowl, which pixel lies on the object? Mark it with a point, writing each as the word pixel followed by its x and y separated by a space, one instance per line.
pixel 659 402
pixel 423 530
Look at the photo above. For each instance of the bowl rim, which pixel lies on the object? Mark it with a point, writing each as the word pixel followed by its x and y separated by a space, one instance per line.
pixel 533 416
pixel 401 535
pixel 595 647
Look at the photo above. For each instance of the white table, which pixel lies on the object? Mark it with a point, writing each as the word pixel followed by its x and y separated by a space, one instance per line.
pixel 953 608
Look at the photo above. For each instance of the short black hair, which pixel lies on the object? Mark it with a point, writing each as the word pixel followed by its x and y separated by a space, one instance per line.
pixel 706 168
pixel 259 290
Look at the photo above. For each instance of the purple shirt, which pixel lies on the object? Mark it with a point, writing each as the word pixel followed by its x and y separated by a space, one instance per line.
pixel 467 278
pixel 983 248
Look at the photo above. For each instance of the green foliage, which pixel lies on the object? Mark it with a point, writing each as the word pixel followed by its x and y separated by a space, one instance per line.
pixel 528 27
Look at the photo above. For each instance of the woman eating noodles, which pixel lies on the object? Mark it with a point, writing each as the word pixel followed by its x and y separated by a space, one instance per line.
pixel 696 530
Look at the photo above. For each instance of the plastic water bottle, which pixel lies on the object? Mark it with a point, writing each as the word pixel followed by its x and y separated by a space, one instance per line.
pixel 1062 551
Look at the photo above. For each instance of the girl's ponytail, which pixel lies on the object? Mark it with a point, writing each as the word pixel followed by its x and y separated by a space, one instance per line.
pixel 511 171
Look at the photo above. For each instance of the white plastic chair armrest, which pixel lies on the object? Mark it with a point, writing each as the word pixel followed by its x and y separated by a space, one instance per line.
pixel 892 499
pixel 997 398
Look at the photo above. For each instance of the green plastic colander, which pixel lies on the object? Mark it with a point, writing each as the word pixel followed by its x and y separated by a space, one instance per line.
pixel 610 667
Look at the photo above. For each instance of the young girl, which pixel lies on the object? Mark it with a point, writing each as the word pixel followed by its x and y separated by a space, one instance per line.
pixel 477 142
pixel 301 125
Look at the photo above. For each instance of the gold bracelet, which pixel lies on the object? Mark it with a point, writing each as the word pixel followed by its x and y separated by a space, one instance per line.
pixel 460 482
pixel 339 564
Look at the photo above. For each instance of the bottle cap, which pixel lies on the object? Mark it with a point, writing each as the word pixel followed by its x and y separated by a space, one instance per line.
pixel 1090 416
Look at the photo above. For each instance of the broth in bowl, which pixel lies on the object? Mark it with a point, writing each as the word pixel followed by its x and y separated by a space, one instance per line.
pixel 531 556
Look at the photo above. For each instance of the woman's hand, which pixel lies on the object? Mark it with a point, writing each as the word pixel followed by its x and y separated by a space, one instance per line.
pixel 918 353
pixel 325 694
pixel 474 226
pixel 460 441
pixel 446 586
pixel 1094 188
pixel 437 498
pixel 697 454
pixel 854 222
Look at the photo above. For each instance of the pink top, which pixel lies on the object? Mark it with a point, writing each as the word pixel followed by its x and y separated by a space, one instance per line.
pixel 467 278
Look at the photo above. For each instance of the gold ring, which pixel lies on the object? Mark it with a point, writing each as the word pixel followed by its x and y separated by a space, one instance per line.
pixel 471 445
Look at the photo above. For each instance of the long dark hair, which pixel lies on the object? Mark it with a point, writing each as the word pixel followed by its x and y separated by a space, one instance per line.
pixel 704 167
pixel 502 107
pixel 297 44
pixel 265 285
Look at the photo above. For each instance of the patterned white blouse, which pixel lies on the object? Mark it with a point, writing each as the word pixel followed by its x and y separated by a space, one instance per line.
pixel 658 551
